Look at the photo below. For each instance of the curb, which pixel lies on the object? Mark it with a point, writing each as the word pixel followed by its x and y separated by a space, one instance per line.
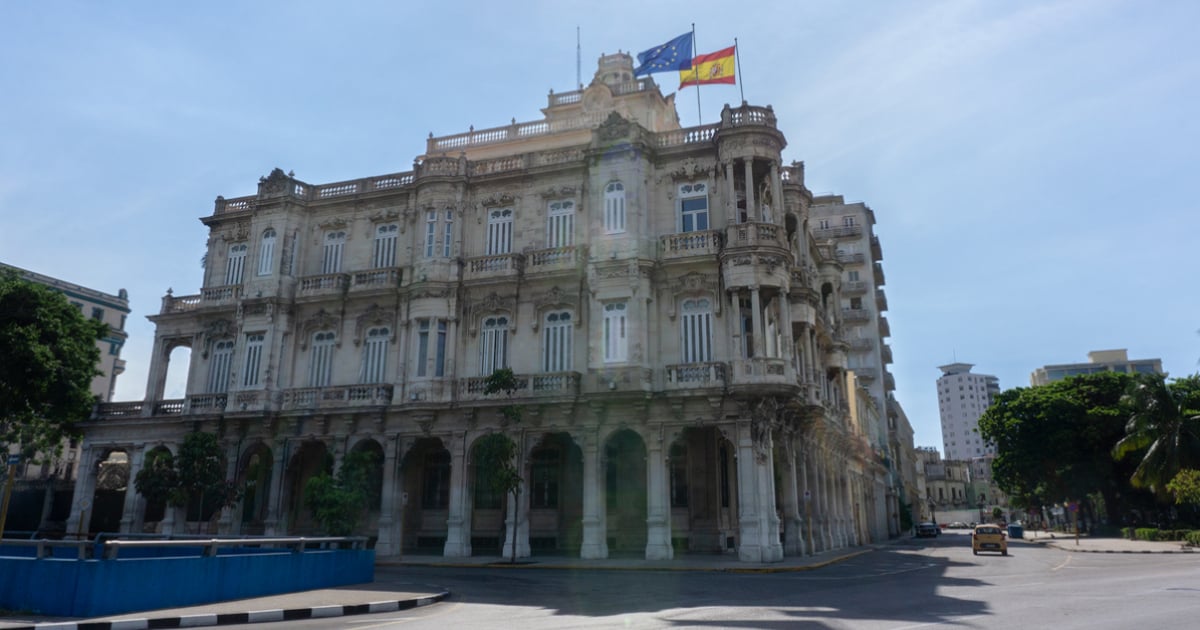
pixel 256 616
pixel 1053 542
pixel 567 567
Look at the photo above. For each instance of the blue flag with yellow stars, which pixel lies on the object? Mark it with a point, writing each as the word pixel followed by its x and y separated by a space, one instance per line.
pixel 673 55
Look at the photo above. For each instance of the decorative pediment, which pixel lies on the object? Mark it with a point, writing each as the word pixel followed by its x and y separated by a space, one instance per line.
pixel 335 223
pixel 321 320
pixel 220 329
pixel 558 193
pixel 615 128
pixel 374 316
pixel 555 298
pixel 385 215
pixel 274 183
pixel 694 283
pixel 495 201
pixel 689 169
pixel 237 232
pixel 493 304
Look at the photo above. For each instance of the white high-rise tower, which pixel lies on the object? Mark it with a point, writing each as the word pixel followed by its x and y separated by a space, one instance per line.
pixel 962 398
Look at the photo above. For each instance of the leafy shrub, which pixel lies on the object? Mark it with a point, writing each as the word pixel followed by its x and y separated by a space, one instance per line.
pixel 1193 538
pixel 1146 533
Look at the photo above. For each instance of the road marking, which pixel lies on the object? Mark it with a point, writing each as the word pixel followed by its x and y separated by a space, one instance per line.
pixel 1064 563
pixel 955 621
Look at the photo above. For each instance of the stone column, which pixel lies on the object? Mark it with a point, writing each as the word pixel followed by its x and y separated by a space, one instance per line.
pixel 658 510
pixel 756 314
pixel 516 521
pixel 272 525
pixel 458 543
pixel 793 531
pixel 751 524
pixel 777 193
pixel 730 195
pixel 388 543
pixel 85 488
pixel 133 500
pixel 594 543
pixel 752 213
pixel 156 381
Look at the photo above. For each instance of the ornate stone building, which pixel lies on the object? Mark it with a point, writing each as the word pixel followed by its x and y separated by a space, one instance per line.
pixel 676 332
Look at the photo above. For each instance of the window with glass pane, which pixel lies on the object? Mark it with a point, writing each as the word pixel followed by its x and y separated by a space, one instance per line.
pixel 431 344
pixel 435 487
pixel 236 264
pixel 422 346
pixel 499 234
pixel 556 342
pixel 493 345
pixel 218 366
pixel 431 224
pixel 447 233
pixel 254 350
pixel 696 323
pixel 614 208
pixel 266 252
pixel 374 366
pixel 544 472
pixel 386 237
pixel 614 331
pixel 693 207
pixel 331 260
pixel 320 367
pixel 560 224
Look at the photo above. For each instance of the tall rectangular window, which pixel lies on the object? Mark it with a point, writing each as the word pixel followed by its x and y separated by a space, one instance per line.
pixel 431 225
pixel 447 233
pixel 374 365
pixel 614 208
pixel 615 337
pixel 320 367
pixel 556 342
pixel 493 345
pixel 431 347
pixel 848 221
pixel 693 207
pixel 384 255
pixel 560 224
pixel 254 349
pixel 499 234
pixel 696 333
pixel 331 259
pixel 543 484
pixel 218 366
pixel 236 264
pixel 266 252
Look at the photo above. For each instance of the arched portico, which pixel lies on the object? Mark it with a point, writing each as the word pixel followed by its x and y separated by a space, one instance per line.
pixel 311 458
pixel 625 492
pixel 254 477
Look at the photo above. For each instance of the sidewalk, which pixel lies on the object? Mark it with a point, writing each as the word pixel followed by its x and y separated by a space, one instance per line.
pixel 1087 544
pixel 391 592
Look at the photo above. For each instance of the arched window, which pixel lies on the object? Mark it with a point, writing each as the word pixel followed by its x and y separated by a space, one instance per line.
pixel 556 342
pixel 560 224
pixel 266 252
pixel 493 345
pixel 331 260
pixel 320 366
pixel 696 330
pixel 236 264
pixel 218 366
pixel 374 365
pixel 499 234
pixel 614 208
pixel 385 246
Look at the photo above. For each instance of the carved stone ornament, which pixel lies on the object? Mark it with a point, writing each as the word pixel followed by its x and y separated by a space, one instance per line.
pixel 694 283
pixel 491 305
pixel 431 292
pixel 374 316
pixel 335 223
pixel 555 298
pixel 238 232
pixel 274 183
pixel 385 215
pixel 561 192
pixel 321 320
pixel 219 329
pixel 494 201
pixel 689 169
pixel 614 128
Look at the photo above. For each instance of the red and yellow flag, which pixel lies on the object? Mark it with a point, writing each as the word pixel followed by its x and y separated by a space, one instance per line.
pixel 714 67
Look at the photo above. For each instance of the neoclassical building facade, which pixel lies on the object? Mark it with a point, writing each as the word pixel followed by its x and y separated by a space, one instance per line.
pixel 676 332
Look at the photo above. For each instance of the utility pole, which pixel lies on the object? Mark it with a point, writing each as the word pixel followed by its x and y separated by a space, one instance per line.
pixel 13 460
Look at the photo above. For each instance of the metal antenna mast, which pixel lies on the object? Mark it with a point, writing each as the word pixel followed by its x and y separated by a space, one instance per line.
pixel 578 60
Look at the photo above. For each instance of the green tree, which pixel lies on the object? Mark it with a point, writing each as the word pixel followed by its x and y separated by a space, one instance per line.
pixel 1185 487
pixel 495 454
pixel 48 359
pixel 194 478
pixel 1053 441
pixel 339 502
pixel 1163 429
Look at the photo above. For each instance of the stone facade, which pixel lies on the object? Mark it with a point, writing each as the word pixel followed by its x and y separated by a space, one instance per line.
pixel 675 329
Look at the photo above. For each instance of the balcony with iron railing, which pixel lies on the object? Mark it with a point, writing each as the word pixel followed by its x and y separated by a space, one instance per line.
pixel 695 375
pixel 865 373
pixel 862 345
pixel 493 267
pixel 878 270
pixel 881 300
pixel 854 287
pixel 839 231
pixel 885 353
pixel 705 243
pixel 848 258
pixel 876 249
pixel 885 330
pixel 544 385
pixel 856 315
pixel 368 395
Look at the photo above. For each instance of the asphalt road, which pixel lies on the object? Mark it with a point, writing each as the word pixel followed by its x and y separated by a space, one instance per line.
pixel 913 584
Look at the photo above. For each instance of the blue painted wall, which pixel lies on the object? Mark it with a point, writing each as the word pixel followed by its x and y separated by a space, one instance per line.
pixel 91 588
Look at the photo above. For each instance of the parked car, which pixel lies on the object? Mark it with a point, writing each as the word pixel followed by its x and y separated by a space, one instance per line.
pixel 928 530
pixel 957 525
pixel 989 538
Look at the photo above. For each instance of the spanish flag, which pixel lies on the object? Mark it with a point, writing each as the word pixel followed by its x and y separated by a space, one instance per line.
pixel 714 67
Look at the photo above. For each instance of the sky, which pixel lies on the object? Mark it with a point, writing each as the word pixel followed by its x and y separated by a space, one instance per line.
pixel 1030 164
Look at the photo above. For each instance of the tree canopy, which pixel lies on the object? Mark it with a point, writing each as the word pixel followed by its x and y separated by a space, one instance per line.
pixel 49 360
pixel 339 502
pixel 1163 428
pixel 1054 441
pixel 194 478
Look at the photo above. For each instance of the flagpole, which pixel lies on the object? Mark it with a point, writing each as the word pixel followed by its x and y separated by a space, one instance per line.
pixel 737 57
pixel 696 72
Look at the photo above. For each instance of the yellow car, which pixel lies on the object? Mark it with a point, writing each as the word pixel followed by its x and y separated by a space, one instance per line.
pixel 989 538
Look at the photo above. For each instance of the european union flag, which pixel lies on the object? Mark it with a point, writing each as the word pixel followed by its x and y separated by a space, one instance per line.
pixel 673 55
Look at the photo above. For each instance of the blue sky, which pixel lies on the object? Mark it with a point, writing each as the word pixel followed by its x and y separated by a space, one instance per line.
pixel 1030 164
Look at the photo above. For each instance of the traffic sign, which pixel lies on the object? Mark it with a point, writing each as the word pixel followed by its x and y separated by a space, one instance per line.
pixel 14 460
pixel 807 495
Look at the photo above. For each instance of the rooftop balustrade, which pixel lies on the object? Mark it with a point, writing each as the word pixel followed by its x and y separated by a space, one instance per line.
pixel 547 384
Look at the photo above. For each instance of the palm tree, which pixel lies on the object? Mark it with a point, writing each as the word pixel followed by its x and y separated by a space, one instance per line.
pixel 1164 426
